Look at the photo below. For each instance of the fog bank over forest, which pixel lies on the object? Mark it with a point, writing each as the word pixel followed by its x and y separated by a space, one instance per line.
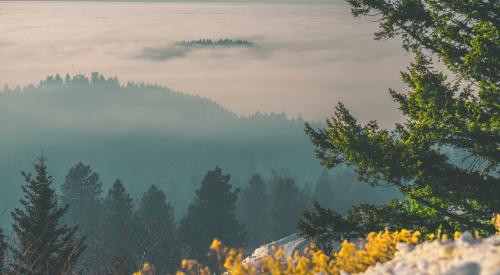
pixel 147 134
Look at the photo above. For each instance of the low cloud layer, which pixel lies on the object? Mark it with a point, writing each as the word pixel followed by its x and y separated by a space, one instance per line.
pixel 166 53
pixel 307 58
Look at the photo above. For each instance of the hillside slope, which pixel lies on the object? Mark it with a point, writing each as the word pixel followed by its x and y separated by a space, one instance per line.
pixel 143 134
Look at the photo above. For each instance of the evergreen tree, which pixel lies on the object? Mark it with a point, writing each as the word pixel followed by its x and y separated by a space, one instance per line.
pixel 286 204
pixel 81 190
pixel 157 236
pixel 371 218
pixel 462 114
pixel 117 225
pixel 323 190
pixel 252 210
pixel 44 245
pixel 211 215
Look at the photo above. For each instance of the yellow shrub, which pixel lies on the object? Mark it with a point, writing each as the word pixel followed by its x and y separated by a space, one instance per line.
pixel 379 247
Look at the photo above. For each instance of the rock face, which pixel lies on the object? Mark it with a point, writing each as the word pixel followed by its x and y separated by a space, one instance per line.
pixel 464 256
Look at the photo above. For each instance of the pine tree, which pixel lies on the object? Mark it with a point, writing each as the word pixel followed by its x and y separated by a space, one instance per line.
pixel 286 204
pixel 81 190
pixel 44 245
pixel 117 225
pixel 252 210
pixel 323 190
pixel 211 215
pixel 157 237
pixel 461 114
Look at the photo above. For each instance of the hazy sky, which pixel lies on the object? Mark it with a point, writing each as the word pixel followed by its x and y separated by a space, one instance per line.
pixel 306 58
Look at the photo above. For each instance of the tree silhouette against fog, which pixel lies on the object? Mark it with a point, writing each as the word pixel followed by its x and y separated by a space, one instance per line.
pixel 253 210
pixel 211 216
pixel 43 245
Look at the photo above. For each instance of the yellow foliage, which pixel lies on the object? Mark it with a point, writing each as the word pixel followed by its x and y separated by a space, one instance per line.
pixel 379 247
pixel 216 244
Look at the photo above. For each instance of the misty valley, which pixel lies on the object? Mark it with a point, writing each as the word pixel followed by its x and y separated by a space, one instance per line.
pixel 249 137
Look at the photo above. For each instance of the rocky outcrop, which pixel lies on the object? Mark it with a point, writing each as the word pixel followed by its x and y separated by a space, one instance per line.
pixel 464 256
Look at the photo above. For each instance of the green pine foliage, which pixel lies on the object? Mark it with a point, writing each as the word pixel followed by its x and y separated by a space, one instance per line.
pixel 157 235
pixel 286 203
pixel 395 214
pixel 43 246
pixel 81 191
pixel 252 210
pixel 211 216
pixel 118 227
pixel 461 113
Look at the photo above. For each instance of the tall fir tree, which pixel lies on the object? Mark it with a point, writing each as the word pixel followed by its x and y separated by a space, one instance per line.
pixel 211 216
pixel 81 190
pixel 286 204
pixel 118 226
pixel 45 246
pixel 157 236
pixel 252 210
pixel 461 113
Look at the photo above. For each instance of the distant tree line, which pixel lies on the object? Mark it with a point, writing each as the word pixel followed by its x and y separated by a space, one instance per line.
pixel 220 42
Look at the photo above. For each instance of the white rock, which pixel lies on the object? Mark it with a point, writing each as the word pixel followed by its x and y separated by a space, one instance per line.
pixel 465 256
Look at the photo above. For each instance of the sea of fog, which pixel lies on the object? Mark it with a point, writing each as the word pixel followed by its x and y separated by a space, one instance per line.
pixel 304 57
